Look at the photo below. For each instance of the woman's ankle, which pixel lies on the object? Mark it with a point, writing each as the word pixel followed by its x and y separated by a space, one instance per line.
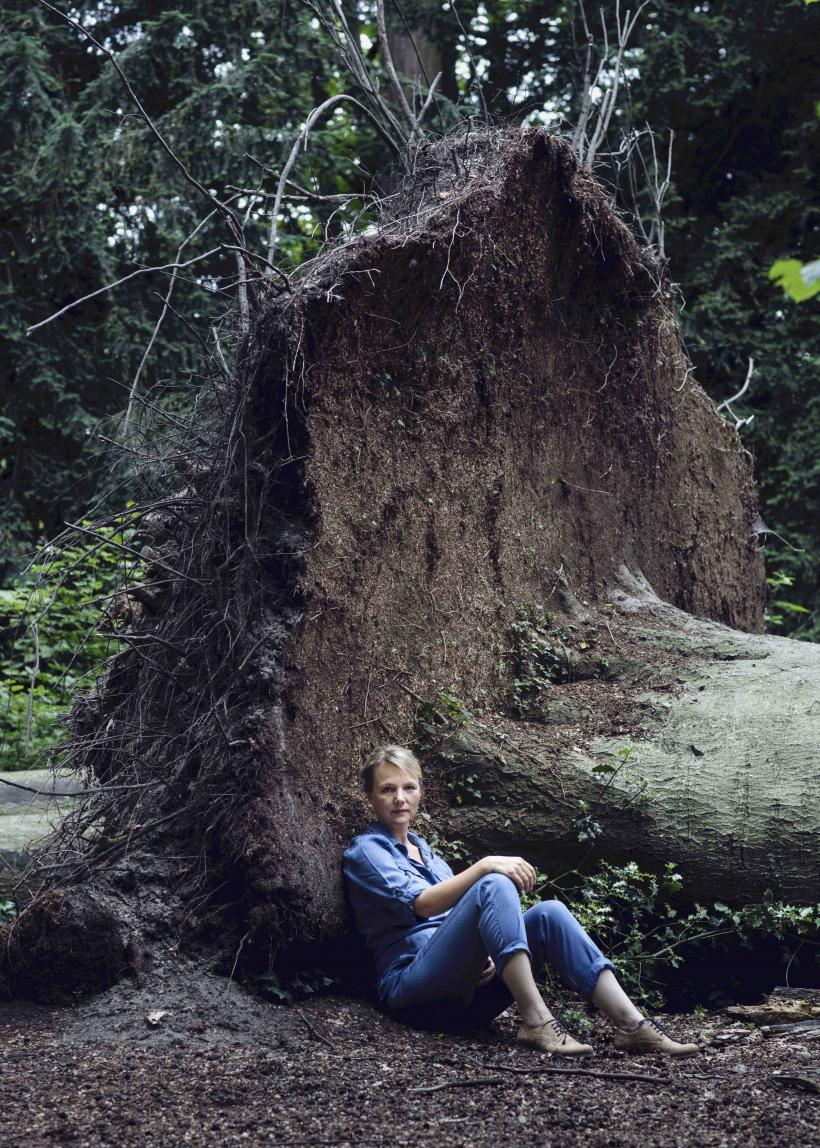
pixel 535 1018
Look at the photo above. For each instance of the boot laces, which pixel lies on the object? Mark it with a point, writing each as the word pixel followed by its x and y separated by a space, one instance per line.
pixel 658 1026
pixel 559 1029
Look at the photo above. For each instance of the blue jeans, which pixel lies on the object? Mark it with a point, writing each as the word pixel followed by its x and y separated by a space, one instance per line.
pixel 441 980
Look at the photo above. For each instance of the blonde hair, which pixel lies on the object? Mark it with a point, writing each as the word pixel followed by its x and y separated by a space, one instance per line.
pixel 397 755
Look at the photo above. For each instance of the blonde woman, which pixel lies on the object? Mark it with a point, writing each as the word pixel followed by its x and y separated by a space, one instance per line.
pixel 460 947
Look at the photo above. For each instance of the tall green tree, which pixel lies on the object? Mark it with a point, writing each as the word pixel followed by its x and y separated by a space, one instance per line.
pixel 87 196
pixel 739 84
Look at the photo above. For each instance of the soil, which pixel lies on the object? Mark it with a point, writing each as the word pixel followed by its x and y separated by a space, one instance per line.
pixel 222 1068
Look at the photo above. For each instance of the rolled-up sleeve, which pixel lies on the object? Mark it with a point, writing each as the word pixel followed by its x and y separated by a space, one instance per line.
pixel 371 866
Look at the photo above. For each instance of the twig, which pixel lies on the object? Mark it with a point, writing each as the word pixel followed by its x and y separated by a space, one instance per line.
pixel 314 1032
pixel 35 669
pixel 467 1082
pixel 585 147
pixel 268 265
pixel 478 84
pixel 44 792
pixel 583 1072
pixel 136 553
pixel 236 958
pixel 390 67
pixel 303 192
pixel 426 105
pixel 165 308
pixel 119 282
pixel 584 489
pixel 301 141
pixel 727 403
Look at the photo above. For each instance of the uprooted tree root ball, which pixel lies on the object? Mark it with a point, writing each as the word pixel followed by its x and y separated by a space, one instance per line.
pixel 480 406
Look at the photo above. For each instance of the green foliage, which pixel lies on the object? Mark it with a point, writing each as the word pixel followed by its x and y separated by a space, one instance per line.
pixel 782 613
pixel 288 990
pixel 586 825
pixel 620 767
pixel 453 709
pixel 50 641
pixel 446 711
pixel 448 847
pixel 8 911
pixel 539 656
pixel 643 921
pixel 800 281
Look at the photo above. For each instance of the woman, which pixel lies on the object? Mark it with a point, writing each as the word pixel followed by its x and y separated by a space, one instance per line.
pixel 448 945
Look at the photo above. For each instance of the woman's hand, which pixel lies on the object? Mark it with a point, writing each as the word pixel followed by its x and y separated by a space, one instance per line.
pixel 441 897
pixel 487 973
pixel 520 872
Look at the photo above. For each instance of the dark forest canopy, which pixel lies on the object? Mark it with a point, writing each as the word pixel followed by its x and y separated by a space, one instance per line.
pixel 87 197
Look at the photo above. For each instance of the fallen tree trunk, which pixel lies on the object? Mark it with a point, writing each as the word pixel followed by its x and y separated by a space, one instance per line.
pixel 715 769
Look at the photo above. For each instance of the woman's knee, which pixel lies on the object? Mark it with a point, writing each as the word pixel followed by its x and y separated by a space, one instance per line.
pixel 552 913
pixel 497 885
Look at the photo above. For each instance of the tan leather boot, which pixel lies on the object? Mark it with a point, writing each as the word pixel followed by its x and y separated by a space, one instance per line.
pixel 649 1036
pixel 552 1037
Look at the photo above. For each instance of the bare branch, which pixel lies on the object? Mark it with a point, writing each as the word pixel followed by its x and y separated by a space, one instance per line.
pixel 390 67
pixel 119 282
pixel 165 308
pixel 586 148
pixel 130 550
pixel 580 133
pixel 301 141
pixel 425 107
pixel 274 270
pixel 233 222
pixel 727 403
pixel 478 84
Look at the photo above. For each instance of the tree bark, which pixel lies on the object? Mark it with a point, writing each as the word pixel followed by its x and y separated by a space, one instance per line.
pixel 722 780
pixel 422 42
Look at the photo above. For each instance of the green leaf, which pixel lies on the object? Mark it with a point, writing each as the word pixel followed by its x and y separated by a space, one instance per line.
pixel 800 281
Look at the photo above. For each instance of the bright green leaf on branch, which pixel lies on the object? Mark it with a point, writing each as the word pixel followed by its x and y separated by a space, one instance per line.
pixel 799 280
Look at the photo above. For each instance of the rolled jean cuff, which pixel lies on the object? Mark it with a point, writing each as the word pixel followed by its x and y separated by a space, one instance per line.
pixel 587 985
pixel 506 953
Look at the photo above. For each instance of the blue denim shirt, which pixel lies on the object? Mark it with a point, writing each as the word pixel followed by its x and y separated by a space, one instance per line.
pixel 383 882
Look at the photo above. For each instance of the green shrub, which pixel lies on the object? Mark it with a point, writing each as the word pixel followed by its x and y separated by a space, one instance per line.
pixel 643 921
pixel 50 640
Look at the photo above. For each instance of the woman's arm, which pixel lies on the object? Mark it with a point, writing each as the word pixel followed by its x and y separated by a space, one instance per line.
pixel 439 898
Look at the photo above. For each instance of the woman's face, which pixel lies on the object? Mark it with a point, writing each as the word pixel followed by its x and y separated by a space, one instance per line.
pixel 395 797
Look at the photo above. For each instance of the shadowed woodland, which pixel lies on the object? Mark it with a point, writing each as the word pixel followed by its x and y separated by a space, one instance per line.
pixel 446 479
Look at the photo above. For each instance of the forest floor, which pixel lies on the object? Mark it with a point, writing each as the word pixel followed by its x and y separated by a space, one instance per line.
pixel 222 1068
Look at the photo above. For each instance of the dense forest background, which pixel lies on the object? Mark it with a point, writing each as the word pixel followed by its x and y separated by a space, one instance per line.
pixel 87 198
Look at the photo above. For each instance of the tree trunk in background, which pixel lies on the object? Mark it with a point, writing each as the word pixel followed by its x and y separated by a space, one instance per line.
pixel 448 439
pixel 422 41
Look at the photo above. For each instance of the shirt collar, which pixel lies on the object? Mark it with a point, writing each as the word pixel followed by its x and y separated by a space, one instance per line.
pixel 376 827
